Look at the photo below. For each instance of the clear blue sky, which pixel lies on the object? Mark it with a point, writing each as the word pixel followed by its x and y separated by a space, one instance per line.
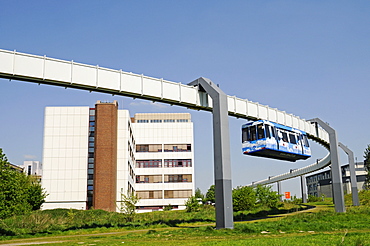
pixel 309 58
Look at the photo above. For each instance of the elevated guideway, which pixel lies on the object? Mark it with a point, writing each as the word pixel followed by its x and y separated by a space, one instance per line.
pixel 69 74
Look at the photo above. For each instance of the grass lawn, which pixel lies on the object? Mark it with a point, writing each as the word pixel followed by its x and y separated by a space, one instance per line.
pixel 319 226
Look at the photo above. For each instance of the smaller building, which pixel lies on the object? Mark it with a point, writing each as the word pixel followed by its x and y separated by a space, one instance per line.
pixel 33 168
pixel 320 184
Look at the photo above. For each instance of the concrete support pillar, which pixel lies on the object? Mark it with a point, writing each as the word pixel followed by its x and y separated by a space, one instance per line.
pixel 279 190
pixel 352 172
pixel 221 146
pixel 303 189
pixel 336 171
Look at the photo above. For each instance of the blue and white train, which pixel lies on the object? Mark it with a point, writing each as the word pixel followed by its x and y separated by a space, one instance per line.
pixel 268 139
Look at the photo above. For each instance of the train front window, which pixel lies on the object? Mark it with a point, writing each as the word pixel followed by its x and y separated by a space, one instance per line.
pixel 245 133
pixel 260 131
pixel 253 135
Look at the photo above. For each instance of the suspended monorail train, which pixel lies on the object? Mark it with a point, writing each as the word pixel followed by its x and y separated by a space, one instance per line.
pixel 268 139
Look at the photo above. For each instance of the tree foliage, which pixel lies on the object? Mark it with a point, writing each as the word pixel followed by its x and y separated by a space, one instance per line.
pixel 128 205
pixel 247 198
pixel 367 166
pixel 192 204
pixel 210 195
pixel 19 193
pixel 244 198
pixel 266 197
pixel 199 194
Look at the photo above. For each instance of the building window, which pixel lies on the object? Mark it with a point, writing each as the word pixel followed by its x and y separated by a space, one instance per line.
pixel 182 120
pixel 177 147
pixel 148 163
pixel 149 194
pixel 177 178
pixel 149 148
pixel 169 121
pixel 177 193
pixel 155 121
pixel 143 121
pixel 149 179
pixel 177 163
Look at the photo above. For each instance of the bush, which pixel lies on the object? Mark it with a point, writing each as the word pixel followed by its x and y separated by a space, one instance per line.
pixel 314 198
pixel 244 198
pixel 19 193
pixel 364 197
pixel 266 197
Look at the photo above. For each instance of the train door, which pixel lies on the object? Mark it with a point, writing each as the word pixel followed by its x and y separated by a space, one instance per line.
pixel 300 143
pixel 271 140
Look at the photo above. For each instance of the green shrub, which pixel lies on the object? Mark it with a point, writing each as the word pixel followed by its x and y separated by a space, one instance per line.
pixel 19 193
pixel 192 204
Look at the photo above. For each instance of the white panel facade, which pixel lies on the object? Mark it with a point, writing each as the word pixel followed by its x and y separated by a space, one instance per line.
pixel 164 130
pixel 65 157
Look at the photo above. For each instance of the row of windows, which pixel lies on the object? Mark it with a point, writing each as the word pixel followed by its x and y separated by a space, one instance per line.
pixel 165 148
pixel 164 121
pixel 158 194
pixel 266 131
pixel 176 178
pixel 167 163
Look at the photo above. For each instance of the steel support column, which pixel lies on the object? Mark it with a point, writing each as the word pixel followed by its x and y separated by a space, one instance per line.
pixel 279 190
pixel 303 189
pixel 352 172
pixel 221 149
pixel 336 171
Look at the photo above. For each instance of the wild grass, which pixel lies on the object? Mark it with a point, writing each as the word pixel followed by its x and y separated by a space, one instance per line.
pixel 197 228
pixel 57 221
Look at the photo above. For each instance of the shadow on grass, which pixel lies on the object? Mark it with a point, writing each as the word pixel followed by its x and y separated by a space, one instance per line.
pixel 176 222
pixel 272 213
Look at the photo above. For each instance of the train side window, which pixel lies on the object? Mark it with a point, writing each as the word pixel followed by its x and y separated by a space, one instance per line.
pixel 299 139
pixel 267 130
pixel 285 136
pixel 260 131
pixel 273 131
pixel 253 135
pixel 292 139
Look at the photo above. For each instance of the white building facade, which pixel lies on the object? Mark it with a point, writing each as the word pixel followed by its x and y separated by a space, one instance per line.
pixel 76 174
pixel 164 160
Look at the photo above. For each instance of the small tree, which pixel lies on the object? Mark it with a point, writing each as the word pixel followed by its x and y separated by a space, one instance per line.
pixel 266 196
pixel 244 198
pixel 199 194
pixel 128 205
pixel 192 204
pixel 367 166
pixel 210 195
